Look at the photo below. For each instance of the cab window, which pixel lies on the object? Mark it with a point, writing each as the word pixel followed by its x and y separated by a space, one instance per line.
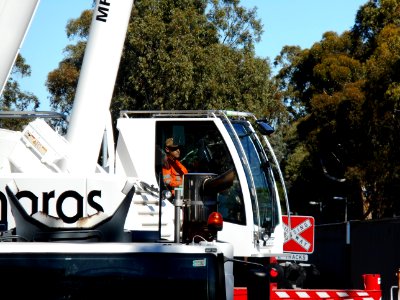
pixel 203 150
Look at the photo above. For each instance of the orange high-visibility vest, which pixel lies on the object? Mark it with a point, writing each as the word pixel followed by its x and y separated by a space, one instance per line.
pixel 173 172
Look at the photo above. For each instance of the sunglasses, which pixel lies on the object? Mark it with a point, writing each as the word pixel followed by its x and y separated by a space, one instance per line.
pixel 173 148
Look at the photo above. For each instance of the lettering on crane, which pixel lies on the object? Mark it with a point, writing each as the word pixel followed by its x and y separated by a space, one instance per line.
pixel 103 10
pixel 59 201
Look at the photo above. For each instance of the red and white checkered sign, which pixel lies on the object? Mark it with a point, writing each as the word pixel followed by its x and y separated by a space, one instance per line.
pixel 325 294
pixel 300 238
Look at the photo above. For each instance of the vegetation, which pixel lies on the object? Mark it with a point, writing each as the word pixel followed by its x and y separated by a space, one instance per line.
pixel 335 105
pixel 181 55
pixel 12 98
pixel 344 95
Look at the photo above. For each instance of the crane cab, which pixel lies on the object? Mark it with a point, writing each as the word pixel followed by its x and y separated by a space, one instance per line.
pixel 229 171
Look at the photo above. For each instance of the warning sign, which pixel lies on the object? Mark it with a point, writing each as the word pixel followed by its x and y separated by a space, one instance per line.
pixel 300 239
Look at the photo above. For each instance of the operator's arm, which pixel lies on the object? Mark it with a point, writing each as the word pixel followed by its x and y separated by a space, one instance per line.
pixel 220 183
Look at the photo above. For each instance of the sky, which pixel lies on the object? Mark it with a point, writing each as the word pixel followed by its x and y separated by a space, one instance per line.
pixel 285 22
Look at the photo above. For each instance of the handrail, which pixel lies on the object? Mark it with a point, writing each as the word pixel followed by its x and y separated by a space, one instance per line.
pixel 391 291
pixel 184 113
pixel 31 114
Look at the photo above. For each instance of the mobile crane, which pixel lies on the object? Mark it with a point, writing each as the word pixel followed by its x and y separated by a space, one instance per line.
pixel 99 230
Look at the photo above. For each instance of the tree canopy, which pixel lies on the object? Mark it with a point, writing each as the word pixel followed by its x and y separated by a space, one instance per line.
pixel 188 54
pixel 344 94
pixel 13 98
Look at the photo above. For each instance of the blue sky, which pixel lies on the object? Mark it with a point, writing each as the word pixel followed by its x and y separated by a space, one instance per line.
pixel 286 22
pixel 44 43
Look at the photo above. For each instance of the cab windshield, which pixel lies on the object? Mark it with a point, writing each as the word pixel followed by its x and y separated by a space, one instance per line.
pixel 258 173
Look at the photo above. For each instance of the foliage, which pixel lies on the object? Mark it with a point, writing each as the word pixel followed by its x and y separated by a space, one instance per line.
pixel 344 93
pixel 180 55
pixel 13 98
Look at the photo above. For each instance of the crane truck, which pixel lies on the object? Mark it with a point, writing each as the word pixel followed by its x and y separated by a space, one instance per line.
pixel 73 226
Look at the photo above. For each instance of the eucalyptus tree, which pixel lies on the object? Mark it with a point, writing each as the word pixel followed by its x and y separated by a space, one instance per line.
pixel 13 98
pixel 180 54
pixel 344 91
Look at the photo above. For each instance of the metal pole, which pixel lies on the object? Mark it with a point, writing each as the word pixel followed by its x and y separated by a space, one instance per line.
pixel 178 202
pixel 348 233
